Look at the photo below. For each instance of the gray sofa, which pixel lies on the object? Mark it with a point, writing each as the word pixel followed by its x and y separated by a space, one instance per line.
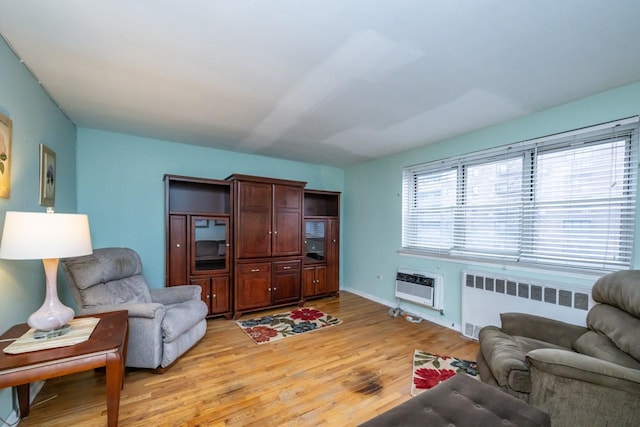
pixel 163 323
pixel 579 375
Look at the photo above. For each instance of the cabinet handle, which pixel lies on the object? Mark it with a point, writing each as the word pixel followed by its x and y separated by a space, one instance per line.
pixel 227 245
pixel 177 245
pixel 208 296
pixel 269 232
pixel 274 289
pixel 269 289
pixel 334 240
pixel 214 295
pixel 286 268
pixel 254 270
pixel 275 232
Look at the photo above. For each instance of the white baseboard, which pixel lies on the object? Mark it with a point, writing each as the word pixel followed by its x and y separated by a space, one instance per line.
pixel 426 314
pixel 13 417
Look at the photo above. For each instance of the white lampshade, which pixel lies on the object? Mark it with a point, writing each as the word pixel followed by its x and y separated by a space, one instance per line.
pixel 46 236
pixel 36 235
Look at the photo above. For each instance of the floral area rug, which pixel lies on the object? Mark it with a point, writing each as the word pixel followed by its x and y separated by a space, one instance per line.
pixel 277 326
pixel 429 370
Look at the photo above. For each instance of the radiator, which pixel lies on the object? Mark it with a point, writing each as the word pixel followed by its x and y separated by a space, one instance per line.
pixel 486 295
pixel 421 287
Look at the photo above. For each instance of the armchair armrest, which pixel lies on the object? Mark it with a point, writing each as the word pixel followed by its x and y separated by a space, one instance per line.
pixel 147 310
pixel 175 294
pixel 580 367
pixel 541 328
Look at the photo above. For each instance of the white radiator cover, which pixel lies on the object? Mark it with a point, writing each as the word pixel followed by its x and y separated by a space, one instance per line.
pixel 485 295
pixel 421 287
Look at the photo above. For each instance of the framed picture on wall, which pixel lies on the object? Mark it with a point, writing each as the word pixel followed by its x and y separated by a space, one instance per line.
pixel 47 176
pixel 6 128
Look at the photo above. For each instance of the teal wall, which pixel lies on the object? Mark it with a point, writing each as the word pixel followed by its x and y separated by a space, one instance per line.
pixel 120 186
pixel 35 120
pixel 373 213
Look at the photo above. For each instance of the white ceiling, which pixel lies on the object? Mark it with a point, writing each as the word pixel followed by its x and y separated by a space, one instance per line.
pixel 333 82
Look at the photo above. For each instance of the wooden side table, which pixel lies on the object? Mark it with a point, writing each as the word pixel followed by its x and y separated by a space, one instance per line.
pixel 106 347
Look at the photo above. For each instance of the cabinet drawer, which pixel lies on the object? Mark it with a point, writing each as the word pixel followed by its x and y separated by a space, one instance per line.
pixel 283 266
pixel 259 267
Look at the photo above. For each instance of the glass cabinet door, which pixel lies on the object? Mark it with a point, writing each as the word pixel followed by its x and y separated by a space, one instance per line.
pixel 209 244
pixel 314 240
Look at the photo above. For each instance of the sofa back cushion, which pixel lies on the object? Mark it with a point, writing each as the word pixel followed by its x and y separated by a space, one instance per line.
pixel 108 276
pixel 599 346
pixel 617 325
pixel 620 289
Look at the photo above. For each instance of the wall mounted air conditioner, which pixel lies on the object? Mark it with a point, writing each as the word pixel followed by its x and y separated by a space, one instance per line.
pixel 421 287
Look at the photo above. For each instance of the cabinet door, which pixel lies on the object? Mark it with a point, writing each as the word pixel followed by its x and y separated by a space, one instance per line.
pixel 286 282
pixel 253 225
pixel 177 273
pixel 205 295
pixel 321 280
pixel 333 256
pixel 308 282
pixel 253 286
pixel 287 220
pixel 209 245
pixel 220 295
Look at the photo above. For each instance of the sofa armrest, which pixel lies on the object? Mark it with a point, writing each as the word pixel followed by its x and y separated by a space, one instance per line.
pixel 148 310
pixel 587 369
pixel 175 294
pixel 541 328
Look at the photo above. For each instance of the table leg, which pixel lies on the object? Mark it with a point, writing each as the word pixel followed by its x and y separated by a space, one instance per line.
pixel 114 385
pixel 23 399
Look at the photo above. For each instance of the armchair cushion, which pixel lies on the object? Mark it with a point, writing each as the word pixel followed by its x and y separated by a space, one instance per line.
pixel 175 294
pixel 620 327
pixel 601 347
pixel 181 317
pixel 620 289
pixel 108 276
pixel 127 290
pixel 103 266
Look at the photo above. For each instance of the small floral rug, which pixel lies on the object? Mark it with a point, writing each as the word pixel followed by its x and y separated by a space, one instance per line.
pixel 277 326
pixel 429 370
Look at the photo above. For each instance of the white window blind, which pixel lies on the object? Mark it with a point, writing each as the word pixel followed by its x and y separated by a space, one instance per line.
pixel 567 201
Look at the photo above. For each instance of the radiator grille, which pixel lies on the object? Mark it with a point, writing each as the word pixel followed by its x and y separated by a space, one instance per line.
pixel 486 295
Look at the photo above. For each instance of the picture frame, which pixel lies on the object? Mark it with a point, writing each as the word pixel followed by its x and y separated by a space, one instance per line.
pixel 47 176
pixel 6 130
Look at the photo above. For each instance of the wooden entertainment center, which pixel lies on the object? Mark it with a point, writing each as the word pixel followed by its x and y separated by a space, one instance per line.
pixel 251 242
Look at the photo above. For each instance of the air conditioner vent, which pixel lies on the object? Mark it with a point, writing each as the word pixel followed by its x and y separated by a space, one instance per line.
pixel 420 287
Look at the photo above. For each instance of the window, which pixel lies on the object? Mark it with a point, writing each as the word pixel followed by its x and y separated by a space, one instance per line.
pixel 564 201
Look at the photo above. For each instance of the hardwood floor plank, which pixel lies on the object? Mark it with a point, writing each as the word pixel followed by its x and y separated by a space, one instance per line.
pixel 338 376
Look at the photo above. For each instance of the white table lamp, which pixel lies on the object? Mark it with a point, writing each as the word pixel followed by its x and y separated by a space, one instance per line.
pixel 46 236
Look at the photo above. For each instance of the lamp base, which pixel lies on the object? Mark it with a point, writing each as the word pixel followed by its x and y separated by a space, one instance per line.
pixel 58 332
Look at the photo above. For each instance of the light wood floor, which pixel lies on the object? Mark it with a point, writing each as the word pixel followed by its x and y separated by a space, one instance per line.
pixel 340 376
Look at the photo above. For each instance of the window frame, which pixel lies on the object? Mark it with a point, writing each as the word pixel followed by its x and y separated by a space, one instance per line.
pixel 529 151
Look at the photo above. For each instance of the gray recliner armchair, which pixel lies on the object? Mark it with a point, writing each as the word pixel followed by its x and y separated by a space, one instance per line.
pixel 163 323
pixel 578 375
